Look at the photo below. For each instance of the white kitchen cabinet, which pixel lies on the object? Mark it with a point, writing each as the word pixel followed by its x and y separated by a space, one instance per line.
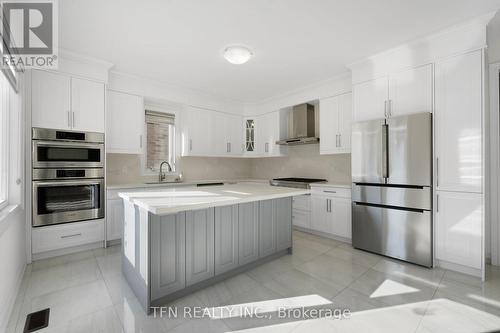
pixel 410 91
pixel 50 100
pixel 457 123
pixel 231 134
pixel 114 219
pixel 459 228
pixel 251 136
pixel 198 132
pixel 369 99
pixel 124 123
pixel 87 105
pixel 331 211
pixel 335 124
pixel 63 102
pixel 272 125
pixel 400 93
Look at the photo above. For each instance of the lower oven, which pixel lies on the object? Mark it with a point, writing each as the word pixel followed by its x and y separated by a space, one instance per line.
pixel 67 200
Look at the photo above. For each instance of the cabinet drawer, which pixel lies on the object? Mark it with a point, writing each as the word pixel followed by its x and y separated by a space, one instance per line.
pixel 301 218
pixel 302 202
pixel 332 191
pixel 67 235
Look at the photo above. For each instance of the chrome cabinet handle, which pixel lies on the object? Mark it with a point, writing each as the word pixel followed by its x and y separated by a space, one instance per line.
pixel 340 140
pixel 190 144
pixel 69 236
pixel 385 109
pixel 329 191
pixel 73 122
pixel 437 203
pixel 140 141
pixel 437 171
pixel 267 147
pixel 69 119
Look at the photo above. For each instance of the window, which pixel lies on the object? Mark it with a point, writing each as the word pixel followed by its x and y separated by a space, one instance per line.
pixel 160 129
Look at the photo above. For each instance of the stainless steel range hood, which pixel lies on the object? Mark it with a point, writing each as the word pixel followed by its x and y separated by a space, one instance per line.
pixel 301 126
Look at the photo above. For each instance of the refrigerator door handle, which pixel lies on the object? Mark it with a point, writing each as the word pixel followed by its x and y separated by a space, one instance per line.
pixel 385 152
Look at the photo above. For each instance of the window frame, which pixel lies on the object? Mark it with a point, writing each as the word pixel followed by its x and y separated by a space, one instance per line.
pixel 4 144
pixel 145 171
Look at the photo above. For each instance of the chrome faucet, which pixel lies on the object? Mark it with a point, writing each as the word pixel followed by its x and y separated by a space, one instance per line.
pixel 161 176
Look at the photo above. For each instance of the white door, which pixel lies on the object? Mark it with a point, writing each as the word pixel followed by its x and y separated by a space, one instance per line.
pixel 341 211
pixel 50 100
pixel 369 99
pixel 459 228
pixel 344 123
pixel 328 125
pixel 124 123
pixel 457 123
pixel 410 91
pixel 87 105
pixel 320 215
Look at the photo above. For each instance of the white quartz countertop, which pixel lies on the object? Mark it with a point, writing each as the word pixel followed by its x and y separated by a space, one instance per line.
pixel 173 200
pixel 181 184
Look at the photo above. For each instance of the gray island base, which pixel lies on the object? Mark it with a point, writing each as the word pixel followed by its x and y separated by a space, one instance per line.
pixel 166 257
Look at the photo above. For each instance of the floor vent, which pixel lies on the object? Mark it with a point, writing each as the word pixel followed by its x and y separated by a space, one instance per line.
pixel 36 321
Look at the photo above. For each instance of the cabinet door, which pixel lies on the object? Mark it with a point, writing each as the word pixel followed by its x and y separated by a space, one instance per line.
pixel 267 228
pixel 369 99
pixel 458 123
pixel 87 105
pixel 226 238
pixel 50 100
pixel 344 123
pixel 219 144
pixel 459 228
pixel 410 91
pixel 328 125
pixel 283 208
pixel 167 254
pixel 124 123
pixel 198 131
pixel 235 137
pixel 320 215
pixel 248 232
pixel 114 219
pixel 341 215
pixel 199 245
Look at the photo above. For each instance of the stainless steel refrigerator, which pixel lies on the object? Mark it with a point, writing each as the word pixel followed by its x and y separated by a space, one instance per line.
pixel 392 187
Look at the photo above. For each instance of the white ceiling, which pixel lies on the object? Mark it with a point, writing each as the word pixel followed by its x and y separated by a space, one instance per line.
pixel 296 42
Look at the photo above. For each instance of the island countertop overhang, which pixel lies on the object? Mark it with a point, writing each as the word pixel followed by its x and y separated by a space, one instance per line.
pixel 175 200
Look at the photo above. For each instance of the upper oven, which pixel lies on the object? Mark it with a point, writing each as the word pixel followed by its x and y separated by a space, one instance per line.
pixel 67 149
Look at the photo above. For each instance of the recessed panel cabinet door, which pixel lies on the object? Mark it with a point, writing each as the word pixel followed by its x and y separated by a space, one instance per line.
pixel 248 232
pixel 167 254
pixel 328 125
pixel 410 91
pixel 50 100
pixel 457 126
pixel 199 245
pixel 341 211
pixel 267 228
pixel 283 207
pixel 114 219
pixel 320 213
pixel 87 105
pixel 369 99
pixel 344 121
pixel 459 228
pixel 226 238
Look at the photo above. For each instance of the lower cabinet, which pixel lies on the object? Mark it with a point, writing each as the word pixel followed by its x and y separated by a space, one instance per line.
pixel 168 256
pixel 248 228
pixel 114 219
pixel 283 211
pixel 267 228
pixel 331 211
pixel 199 245
pixel 458 228
pixel 226 238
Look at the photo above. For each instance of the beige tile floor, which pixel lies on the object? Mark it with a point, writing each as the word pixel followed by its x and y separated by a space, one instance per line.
pixel 86 293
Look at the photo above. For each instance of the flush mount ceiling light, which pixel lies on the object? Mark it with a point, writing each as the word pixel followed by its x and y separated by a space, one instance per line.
pixel 237 54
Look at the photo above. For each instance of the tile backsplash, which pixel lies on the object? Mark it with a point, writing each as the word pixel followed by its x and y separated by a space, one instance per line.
pixel 301 161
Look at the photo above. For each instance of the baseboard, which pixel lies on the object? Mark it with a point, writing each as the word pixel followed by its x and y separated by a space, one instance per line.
pixel 324 234
pixel 459 268
pixel 68 250
pixel 12 301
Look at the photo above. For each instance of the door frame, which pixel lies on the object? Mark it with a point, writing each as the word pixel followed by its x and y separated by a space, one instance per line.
pixel 494 163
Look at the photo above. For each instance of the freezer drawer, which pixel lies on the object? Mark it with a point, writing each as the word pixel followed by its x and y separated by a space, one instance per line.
pixel 400 233
pixel 419 197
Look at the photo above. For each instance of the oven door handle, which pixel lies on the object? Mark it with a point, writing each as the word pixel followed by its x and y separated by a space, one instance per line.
pixel 68 183
pixel 67 144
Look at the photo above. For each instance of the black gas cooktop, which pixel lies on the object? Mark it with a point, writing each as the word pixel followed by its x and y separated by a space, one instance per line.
pixel 295 182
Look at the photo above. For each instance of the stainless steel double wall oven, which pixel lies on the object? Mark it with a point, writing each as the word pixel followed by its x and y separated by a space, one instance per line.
pixel 68 176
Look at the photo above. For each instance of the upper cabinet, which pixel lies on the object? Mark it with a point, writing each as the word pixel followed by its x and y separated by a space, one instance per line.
pixel 124 123
pixel 405 92
pixel 63 102
pixel 335 124
pixel 457 123
pixel 271 125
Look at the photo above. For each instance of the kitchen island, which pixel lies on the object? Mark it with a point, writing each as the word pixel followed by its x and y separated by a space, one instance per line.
pixel 179 240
